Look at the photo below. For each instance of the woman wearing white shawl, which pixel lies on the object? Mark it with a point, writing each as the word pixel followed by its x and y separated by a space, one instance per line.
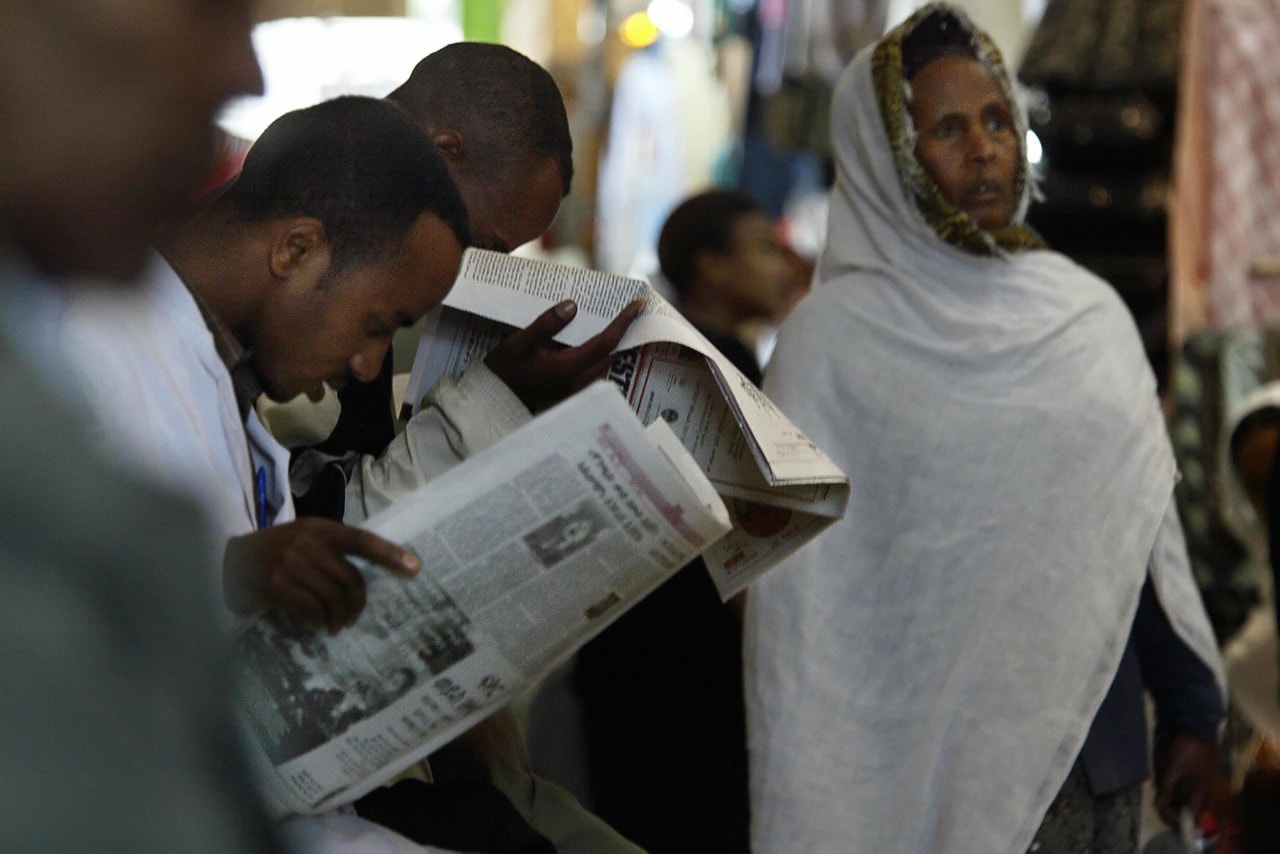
pixel 1247 453
pixel 923 676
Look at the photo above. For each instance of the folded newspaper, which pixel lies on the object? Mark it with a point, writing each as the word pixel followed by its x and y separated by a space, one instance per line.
pixel 780 488
pixel 528 549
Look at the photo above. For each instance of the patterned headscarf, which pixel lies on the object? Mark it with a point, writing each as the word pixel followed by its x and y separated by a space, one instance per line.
pixel 893 94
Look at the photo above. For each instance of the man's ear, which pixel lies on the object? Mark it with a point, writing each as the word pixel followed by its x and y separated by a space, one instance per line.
pixel 448 141
pixel 298 246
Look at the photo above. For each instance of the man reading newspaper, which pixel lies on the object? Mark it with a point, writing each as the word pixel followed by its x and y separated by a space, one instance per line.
pixel 279 283
pixel 528 549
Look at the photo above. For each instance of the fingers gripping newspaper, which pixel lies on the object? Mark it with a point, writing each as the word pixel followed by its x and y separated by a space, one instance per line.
pixel 780 488
pixel 528 549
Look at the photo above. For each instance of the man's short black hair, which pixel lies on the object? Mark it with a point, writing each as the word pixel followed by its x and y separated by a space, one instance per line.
pixel 701 223
pixel 939 33
pixel 491 92
pixel 361 166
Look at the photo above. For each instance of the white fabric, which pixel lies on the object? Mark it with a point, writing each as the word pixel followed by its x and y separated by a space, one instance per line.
pixel 458 419
pixel 162 399
pixel 1251 658
pixel 301 421
pixel 922 676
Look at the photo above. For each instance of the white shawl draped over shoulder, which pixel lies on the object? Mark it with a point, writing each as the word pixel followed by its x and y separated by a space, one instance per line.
pixel 922 676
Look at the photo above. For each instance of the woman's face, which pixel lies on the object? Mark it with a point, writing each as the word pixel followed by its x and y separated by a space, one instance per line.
pixel 966 138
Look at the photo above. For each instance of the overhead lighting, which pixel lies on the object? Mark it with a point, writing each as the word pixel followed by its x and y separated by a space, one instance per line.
pixel 308 60
pixel 673 18
pixel 1035 151
pixel 638 30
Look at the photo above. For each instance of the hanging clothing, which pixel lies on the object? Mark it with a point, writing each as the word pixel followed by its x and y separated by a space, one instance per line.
pixel 668 129
pixel 1104 45
pixel 922 677
pixel 1225 210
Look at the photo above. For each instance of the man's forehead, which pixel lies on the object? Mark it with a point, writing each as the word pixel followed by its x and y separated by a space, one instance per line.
pixel 520 210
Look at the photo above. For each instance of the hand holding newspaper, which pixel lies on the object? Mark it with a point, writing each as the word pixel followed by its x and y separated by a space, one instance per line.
pixel 780 488
pixel 528 550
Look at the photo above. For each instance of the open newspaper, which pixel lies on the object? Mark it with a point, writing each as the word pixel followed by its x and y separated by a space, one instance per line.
pixel 780 488
pixel 528 550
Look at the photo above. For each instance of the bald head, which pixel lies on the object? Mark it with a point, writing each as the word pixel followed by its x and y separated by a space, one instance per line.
pixel 500 121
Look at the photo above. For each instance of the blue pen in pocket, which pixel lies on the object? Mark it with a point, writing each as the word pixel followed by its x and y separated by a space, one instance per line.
pixel 260 492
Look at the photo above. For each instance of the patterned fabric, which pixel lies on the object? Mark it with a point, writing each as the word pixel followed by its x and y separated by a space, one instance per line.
pixel 1211 374
pixel 1078 821
pixel 1227 169
pixel 952 224
pixel 1105 45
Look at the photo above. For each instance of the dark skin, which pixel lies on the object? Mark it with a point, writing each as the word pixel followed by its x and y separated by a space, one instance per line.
pixel 542 372
pixel 302 567
pixel 1184 770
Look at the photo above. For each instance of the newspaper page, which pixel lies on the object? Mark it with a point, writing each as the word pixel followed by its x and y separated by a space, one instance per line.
pixel 528 550
pixel 780 487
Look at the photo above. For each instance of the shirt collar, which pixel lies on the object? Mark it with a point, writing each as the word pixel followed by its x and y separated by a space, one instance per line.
pixel 234 355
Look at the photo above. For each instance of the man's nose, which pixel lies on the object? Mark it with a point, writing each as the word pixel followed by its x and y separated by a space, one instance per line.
pixel 367 364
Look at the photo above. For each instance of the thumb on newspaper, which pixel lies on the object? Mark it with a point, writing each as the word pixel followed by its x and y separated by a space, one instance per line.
pixel 524 342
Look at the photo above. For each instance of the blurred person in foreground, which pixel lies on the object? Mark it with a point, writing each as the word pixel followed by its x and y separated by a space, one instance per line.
pixel 958 665
pixel 673 776
pixel 115 712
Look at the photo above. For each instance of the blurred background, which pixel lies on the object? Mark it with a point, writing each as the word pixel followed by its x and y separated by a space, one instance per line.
pixel 666 97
